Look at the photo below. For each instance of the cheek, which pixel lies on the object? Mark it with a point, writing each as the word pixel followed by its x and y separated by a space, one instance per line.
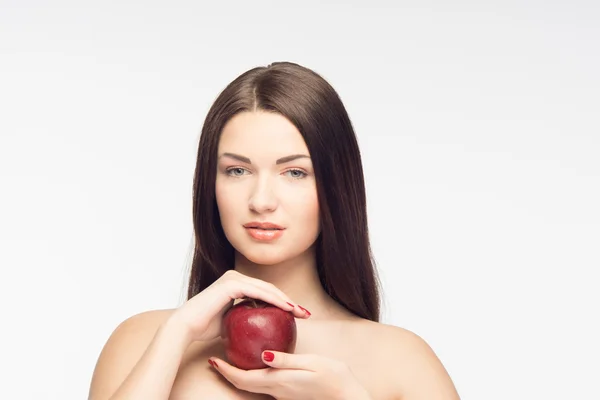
pixel 304 206
pixel 225 201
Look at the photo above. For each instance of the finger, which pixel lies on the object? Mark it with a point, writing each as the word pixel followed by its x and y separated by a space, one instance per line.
pixel 299 311
pixel 267 286
pixel 251 289
pixel 234 279
pixel 280 360
pixel 244 289
pixel 251 380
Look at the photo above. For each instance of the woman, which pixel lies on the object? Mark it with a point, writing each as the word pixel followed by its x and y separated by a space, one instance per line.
pixel 277 147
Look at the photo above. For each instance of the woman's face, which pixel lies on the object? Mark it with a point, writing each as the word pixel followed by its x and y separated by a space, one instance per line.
pixel 265 174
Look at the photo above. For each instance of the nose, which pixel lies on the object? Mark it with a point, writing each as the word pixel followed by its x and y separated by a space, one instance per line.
pixel 262 198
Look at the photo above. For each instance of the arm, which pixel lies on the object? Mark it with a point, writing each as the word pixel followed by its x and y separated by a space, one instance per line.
pixel 140 360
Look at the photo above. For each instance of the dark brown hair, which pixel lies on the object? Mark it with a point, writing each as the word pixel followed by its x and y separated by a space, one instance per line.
pixel 345 264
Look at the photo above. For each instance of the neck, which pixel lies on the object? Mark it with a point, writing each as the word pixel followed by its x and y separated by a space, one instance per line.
pixel 299 280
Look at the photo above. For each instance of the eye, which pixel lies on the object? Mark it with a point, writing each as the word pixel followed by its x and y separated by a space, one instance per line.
pixel 296 173
pixel 235 171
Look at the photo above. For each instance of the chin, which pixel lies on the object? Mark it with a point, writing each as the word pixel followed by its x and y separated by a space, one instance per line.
pixel 273 253
pixel 264 257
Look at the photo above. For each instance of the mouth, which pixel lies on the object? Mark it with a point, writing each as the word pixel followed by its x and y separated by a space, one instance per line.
pixel 266 226
pixel 264 234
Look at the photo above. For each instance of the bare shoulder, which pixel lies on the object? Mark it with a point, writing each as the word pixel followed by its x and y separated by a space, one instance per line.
pixel 123 349
pixel 411 363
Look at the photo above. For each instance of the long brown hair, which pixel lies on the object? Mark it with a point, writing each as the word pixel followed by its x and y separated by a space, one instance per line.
pixel 345 264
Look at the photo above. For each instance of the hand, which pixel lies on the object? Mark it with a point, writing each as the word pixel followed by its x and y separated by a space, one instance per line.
pixel 201 315
pixel 296 376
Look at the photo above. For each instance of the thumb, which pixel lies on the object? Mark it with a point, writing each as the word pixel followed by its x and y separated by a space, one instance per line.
pixel 278 359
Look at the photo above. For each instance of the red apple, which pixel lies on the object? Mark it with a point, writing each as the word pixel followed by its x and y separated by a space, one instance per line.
pixel 252 326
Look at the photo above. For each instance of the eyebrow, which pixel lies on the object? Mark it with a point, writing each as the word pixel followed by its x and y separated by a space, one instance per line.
pixel 282 160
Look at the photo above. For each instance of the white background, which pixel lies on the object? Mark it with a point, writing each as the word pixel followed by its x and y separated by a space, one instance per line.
pixel 478 123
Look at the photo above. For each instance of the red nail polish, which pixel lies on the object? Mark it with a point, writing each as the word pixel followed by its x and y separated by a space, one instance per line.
pixel 210 362
pixel 305 310
pixel 290 303
pixel 268 356
pixel 215 364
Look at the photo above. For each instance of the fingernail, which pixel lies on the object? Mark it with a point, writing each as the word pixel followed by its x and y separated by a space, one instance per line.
pixel 268 356
pixel 210 362
pixel 290 303
pixel 305 310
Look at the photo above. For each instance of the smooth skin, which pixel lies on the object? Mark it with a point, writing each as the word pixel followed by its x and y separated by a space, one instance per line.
pixel 265 174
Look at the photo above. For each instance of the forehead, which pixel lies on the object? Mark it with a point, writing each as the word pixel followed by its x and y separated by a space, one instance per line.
pixel 264 132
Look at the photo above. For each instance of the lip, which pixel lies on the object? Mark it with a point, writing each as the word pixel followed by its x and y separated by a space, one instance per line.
pixel 265 235
pixel 264 231
pixel 263 225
